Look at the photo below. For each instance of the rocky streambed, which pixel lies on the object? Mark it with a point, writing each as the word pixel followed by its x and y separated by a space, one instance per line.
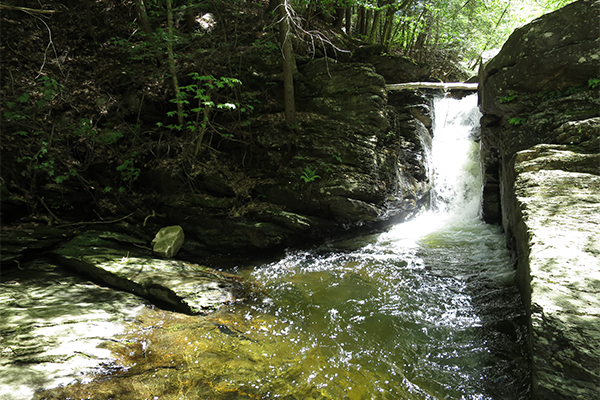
pixel 62 313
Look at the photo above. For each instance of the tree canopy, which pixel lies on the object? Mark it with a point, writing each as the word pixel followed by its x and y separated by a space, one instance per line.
pixel 460 30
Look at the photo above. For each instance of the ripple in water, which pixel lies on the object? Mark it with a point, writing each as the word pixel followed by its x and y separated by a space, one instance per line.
pixel 426 310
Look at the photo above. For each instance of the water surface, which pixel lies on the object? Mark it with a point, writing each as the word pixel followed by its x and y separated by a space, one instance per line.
pixel 425 310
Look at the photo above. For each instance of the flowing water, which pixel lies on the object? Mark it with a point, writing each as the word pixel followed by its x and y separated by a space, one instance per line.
pixel 426 310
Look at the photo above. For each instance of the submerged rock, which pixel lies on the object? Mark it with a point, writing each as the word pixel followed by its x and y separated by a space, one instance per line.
pixel 111 259
pixel 541 161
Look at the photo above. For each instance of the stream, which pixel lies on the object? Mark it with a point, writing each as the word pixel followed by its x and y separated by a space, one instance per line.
pixel 425 310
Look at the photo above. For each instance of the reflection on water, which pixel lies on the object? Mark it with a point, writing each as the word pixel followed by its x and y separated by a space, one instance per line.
pixel 426 310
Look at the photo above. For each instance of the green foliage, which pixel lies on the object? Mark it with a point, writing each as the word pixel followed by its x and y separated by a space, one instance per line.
pixel 129 173
pixel 44 149
pixel 42 158
pixel 265 47
pixel 516 121
pixel 85 130
pixel 592 84
pixel 143 47
pixel 309 175
pixel 461 30
pixel 197 99
pixel 27 105
pixel 508 98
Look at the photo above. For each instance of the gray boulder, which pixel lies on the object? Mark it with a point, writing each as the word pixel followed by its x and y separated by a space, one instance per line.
pixel 168 241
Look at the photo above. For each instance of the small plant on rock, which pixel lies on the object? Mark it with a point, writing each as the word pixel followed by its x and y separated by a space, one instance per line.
pixel 197 119
pixel 508 98
pixel 309 175
pixel 516 121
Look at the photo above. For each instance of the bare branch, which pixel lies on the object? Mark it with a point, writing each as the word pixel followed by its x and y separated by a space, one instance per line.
pixel 27 10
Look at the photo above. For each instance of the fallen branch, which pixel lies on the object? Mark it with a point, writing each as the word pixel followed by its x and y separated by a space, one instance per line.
pixel 433 85
pixel 27 10
pixel 97 222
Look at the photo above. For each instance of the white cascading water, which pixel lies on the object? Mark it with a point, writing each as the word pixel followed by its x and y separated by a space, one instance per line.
pixel 404 314
pixel 456 193
pixel 455 155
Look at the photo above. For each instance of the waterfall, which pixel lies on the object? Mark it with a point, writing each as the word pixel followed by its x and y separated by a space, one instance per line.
pixel 425 310
pixel 457 184
pixel 414 312
pixel 456 193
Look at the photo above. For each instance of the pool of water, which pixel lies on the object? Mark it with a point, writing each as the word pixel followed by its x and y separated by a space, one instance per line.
pixel 425 310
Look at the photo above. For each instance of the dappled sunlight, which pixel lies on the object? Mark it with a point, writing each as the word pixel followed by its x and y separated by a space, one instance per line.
pixel 394 315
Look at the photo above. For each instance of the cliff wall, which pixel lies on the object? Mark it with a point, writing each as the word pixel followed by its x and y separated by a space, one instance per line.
pixel 540 158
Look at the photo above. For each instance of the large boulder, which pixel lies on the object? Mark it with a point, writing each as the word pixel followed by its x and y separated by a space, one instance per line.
pixel 116 260
pixel 541 163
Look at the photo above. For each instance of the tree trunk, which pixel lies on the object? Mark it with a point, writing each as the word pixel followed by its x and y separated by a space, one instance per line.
pixel 361 20
pixel 375 27
pixel 172 67
pixel 288 64
pixel 368 16
pixel 189 17
pixel 140 9
pixel 88 20
pixel 340 12
pixel 349 20
pixel 387 28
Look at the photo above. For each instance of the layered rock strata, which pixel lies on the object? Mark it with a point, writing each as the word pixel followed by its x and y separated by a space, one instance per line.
pixel 540 156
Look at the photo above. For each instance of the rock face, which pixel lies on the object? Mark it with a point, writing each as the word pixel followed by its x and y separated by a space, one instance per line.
pixel 109 258
pixel 168 241
pixel 358 156
pixel 541 163
pixel 55 325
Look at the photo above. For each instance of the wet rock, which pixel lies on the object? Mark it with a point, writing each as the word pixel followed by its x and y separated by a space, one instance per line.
pixel 357 156
pixel 183 286
pixel 555 52
pixel 540 158
pixel 25 241
pixel 168 241
pixel 54 326
pixel 398 69
pixel 350 92
pixel 207 359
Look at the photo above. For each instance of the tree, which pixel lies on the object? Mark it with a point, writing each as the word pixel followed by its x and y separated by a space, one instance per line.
pixel 171 58
pixel 289 65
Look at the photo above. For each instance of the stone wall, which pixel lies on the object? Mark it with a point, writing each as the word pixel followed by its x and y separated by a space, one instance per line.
pixel 541 162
